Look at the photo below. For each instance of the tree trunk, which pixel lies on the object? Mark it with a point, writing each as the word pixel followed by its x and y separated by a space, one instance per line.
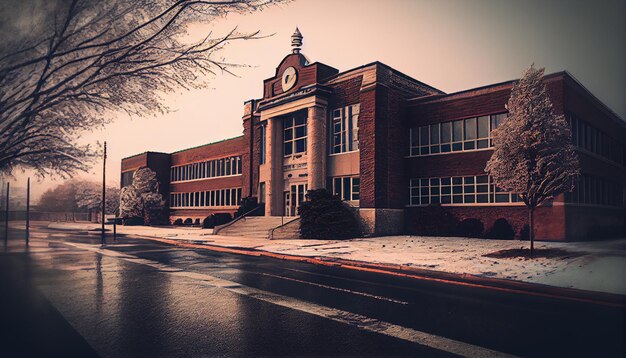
pixel 531 229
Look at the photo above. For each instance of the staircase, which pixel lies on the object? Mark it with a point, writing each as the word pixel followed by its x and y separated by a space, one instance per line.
pixel 253 226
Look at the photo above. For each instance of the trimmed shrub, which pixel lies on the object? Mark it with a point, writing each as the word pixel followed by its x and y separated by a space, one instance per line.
pixel 247 204
pixel 324 216
pixel 178 222
pixel 470 228
pixel 188 221
pixel 216 220
pixel 502 230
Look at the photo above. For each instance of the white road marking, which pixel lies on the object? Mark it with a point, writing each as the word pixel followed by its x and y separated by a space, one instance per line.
pixel 336 288
pixel 351 319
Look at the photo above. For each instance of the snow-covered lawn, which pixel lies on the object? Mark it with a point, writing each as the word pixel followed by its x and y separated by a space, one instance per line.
pixel 595 266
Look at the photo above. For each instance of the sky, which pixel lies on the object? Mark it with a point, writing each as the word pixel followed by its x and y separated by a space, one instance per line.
pixel 452 45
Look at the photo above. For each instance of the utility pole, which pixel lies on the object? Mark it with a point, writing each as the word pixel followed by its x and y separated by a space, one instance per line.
pixel 104 169
pixel 27 211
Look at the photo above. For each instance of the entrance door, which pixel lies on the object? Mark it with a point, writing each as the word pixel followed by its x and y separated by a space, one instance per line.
pixel 287 202
pixel 293 198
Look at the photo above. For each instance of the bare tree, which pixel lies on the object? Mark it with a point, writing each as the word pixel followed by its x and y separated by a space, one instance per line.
pixel 86 59
pixel 533 151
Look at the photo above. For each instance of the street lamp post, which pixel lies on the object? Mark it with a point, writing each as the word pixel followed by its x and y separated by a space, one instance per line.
pixel 27 237
pixel 104 166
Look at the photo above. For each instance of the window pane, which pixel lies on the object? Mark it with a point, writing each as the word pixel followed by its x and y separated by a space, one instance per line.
pixel 346 189
pixel 415 137
pixel 300 120
pixel 457 131
pixel 424 133
pixel 483 127
pixel 356 188
pixel 446 132
pixel 300 132
pixel 300 145
pixel 337 186
pixel 470 128
pixel 434 134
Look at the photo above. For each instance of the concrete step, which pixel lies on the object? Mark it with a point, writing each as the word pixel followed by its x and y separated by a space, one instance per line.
pixel 254 226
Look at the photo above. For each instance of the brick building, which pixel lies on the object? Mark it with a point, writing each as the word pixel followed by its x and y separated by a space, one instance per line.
pixel 408 155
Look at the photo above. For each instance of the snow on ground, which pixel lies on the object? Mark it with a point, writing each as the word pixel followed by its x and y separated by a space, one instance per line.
pixel 595 266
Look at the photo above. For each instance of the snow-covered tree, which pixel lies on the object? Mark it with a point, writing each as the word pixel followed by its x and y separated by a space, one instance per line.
pixel 153 206
pixel 141 199
pixel 533 151
pixel 89 196
pixel 130 204
pixel 66 66
pixel 145 181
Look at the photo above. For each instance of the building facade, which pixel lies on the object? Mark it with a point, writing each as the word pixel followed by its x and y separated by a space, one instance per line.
pixel 408 155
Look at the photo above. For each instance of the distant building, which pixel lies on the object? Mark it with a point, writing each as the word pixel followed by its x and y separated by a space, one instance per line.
pixel 409 156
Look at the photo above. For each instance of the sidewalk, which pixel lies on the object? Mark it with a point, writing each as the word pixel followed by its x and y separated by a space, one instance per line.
pixel 592 266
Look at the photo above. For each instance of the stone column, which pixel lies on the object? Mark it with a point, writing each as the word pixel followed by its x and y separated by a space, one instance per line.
pixel 316 147
pixel 274 161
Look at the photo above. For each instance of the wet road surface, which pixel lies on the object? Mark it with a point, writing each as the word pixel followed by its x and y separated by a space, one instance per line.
pixel 142 298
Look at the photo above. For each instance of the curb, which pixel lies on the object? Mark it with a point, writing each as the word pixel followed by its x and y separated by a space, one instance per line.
pixel 464 279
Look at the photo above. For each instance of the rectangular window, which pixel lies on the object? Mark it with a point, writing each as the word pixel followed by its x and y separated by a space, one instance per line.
pixel 457 190
pixel 347 188
pixel 446 137
pixel 594 190
pixel 457 136
pixel 470 134
pixel 483 132
pixel 294 134
pixel 262 192
pixel 460 135
pixel 344 129
pixel 434 138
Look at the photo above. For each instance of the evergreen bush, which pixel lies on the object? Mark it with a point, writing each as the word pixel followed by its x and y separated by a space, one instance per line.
pixel 325 216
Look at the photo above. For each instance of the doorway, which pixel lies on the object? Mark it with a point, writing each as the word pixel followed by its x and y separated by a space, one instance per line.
pixel 293 198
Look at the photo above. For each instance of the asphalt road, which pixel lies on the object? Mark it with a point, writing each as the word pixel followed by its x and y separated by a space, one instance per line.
pixel 142 298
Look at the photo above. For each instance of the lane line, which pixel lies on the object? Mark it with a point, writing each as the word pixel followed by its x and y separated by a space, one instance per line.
pixel 382 298
pixel 348 318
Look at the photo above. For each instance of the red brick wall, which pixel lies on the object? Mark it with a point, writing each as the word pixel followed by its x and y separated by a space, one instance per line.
pixel 225 148
pixel 134 162
pixel 549 220
pixel 250 160
pixel 235 181
pixel 474 103
pixel 345 93
pixel 307 75
pixel 566 96
pixel 382 137
pixel 367 146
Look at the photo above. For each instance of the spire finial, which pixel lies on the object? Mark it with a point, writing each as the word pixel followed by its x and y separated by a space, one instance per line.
pixel 296 41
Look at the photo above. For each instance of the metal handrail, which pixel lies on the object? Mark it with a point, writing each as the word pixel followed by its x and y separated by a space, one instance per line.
pixel 220 227
pixel 271 233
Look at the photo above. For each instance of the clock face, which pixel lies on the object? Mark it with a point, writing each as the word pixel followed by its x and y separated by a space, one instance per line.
pixel 289 78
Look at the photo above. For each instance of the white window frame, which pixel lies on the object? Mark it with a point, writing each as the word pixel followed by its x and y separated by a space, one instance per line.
pixel 346 120
pixel 354 195
pixel 437 191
